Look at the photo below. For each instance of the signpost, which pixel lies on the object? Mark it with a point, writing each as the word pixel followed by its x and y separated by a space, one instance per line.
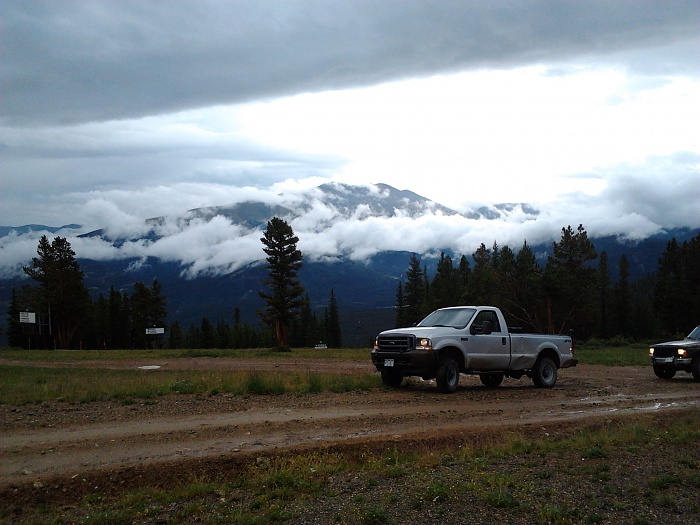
pixel 27 317
pixel 155 331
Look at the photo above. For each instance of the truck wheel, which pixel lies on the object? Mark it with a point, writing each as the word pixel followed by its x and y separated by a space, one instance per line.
pixel 447 375
pixel 664 372
pixel 544 373
pixel 695 368
pixel 392 378
pixel 491 380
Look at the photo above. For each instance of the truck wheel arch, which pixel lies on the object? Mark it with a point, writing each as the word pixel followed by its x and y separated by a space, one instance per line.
pixel 454 353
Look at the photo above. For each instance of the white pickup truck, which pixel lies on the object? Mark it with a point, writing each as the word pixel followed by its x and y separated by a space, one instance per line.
pixel 469 340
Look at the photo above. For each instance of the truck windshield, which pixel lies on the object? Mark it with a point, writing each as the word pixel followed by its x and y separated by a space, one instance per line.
pixel 454 317
pixel 695 334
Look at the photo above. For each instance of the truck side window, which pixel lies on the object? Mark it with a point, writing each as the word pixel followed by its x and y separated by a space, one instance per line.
pixel 487 315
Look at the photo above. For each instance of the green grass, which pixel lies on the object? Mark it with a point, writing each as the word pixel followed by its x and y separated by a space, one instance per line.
pixel 21 384
pixel 603 353
pixel 84 355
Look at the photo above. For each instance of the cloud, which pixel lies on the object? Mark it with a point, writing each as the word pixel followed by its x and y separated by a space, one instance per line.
pixel 632 207
pixel 68 62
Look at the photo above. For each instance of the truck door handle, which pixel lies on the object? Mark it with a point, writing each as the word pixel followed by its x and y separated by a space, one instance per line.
pixel 503 341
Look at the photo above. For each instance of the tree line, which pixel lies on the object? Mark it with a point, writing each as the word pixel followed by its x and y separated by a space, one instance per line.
pixel 67 316
pixel 572 291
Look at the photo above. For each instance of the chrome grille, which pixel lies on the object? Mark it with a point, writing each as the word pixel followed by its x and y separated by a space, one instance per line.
pixel 396 343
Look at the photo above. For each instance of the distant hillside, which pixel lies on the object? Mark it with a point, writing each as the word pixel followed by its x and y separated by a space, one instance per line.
pixel 365 287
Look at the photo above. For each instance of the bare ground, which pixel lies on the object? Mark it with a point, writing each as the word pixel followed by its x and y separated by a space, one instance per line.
pixel 58 451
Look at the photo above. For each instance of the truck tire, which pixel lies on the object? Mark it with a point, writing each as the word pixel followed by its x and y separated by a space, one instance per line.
pixel 664 372
pixel 447 375
pixel 544 373
pixel 491 380
pixel 695 368
pixel 392 378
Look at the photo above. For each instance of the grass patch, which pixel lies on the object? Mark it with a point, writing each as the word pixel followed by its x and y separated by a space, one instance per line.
pixel 603 353
pixel 270 353
pixel 22 385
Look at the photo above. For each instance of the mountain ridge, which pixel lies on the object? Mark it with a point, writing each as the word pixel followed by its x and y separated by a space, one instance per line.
pixel 365 287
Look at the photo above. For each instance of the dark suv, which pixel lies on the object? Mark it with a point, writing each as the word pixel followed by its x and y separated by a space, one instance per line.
pixel 668 358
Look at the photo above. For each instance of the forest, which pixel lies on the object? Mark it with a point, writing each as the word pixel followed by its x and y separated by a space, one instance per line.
pixel 573 291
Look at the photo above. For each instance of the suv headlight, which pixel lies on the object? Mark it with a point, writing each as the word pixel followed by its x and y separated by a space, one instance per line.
pixel 682 352
pixel 651 352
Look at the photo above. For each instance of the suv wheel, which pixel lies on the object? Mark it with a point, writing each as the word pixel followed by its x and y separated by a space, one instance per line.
pixel 664 372
pixel 695 368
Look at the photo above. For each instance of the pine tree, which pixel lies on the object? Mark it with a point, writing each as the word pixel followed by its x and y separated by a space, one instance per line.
pixel 414 292
pixel 603 283
pixel 283 263
pixel 443 291
pixel 623 299
pixel 62 294
pixel 570 283
pixel 335 337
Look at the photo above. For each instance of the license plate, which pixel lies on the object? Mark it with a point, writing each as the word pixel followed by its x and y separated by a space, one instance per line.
pixel 388 362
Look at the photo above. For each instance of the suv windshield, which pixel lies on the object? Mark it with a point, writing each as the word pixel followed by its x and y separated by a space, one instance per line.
pixel 454 317
pixel 695 334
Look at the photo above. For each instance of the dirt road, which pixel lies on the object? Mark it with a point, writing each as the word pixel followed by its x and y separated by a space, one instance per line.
pixel 39 442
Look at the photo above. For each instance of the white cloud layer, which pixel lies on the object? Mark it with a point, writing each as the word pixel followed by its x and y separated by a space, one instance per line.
pixel 114 112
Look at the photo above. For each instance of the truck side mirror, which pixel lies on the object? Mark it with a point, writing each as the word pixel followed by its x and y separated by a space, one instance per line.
pixel 487 328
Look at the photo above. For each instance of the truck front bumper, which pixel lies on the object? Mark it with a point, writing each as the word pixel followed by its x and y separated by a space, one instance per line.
pixel 410 363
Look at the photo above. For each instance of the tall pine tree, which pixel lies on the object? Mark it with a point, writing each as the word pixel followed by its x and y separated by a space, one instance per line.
pixel 284 298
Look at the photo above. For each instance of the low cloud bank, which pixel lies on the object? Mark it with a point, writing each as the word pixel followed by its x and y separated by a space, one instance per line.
pixel 630 208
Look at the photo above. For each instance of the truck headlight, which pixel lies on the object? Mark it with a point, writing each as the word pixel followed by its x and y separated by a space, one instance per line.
pixel 424 344
pixel 376 344
pixel 651 352
pixel 682 352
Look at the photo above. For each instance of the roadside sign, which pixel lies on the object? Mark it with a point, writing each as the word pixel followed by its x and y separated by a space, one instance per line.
pixel 155 331
pixel 27 317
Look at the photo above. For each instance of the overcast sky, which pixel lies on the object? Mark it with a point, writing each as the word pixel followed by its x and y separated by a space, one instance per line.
pixel 116 111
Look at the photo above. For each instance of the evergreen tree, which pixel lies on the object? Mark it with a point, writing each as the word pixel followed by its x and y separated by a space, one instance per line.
pixel 623 299
pixel 443 291
pixel 222 335
pixel 335 337
pixel 603 283
pixel 463 274
pixel 62 294
pixel 283 263
pixel 483 279
pixel 570 283
pixel 206 334
pixel 677 290
pixel 15 336
pixel 400 310
pixel 176 337
pixel 523 304
pixel 414 292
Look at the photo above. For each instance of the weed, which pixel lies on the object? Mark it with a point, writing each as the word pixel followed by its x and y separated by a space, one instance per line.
pixel 663 481
pixel 374 515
